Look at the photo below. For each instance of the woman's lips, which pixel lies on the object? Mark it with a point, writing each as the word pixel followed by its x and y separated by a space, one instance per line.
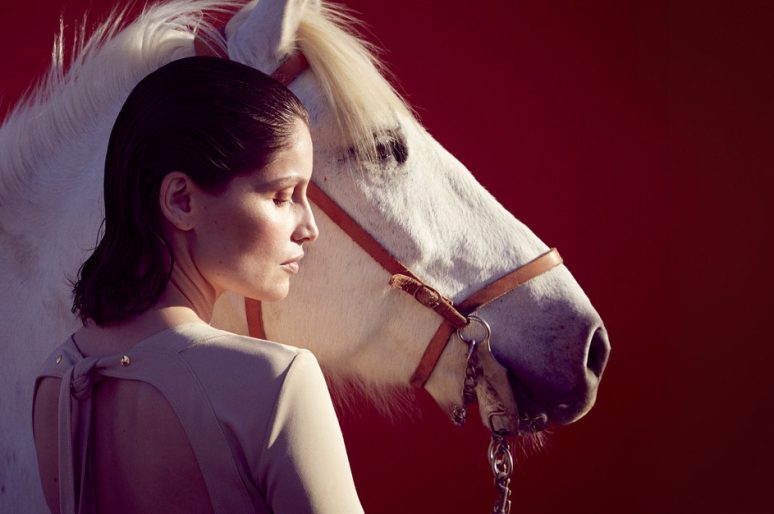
pixel 292 265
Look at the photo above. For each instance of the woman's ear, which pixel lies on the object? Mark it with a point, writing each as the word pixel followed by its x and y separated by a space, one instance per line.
pixel 175 200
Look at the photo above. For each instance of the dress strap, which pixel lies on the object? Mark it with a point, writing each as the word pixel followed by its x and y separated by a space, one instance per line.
pixel 77 383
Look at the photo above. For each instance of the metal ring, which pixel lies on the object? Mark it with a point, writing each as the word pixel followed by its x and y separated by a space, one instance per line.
pixel 500 457
pixel 471 319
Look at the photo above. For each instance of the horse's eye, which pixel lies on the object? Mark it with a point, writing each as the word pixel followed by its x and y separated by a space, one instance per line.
pixel 391 144
pixel 390 147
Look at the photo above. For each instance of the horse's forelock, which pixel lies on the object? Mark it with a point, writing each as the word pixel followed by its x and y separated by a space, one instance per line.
pixel 351 76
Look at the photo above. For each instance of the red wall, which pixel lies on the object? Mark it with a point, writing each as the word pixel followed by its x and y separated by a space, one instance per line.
pixel 636 137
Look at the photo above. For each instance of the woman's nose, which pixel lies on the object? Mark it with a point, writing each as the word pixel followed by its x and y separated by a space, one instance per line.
pixel 307 230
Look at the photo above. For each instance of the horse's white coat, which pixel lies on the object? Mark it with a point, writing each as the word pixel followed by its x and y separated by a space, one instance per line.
pixel 428 211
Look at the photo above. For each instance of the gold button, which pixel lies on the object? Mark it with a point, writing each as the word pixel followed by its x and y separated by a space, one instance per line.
pixel 125 361
pixel 59 359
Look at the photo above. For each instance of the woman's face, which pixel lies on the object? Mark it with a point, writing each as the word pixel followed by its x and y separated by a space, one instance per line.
pixel 248 238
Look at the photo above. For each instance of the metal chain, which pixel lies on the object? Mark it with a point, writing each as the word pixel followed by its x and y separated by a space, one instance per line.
pixel 501 460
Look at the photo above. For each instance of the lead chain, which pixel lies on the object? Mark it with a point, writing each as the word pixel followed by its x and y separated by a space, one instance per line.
pixel 501 460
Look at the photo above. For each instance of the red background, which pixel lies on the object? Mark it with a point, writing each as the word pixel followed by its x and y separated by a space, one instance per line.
pixel 636 137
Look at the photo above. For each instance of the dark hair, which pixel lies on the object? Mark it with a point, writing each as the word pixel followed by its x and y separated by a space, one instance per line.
pixel 210 118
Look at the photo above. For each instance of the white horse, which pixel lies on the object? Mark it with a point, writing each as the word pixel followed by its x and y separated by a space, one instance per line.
pixel 371 156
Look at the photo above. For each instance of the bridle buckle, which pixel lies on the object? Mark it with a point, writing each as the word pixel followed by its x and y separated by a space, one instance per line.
pixel 427 296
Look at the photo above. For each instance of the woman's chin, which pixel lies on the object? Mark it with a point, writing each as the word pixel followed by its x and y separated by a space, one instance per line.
pixel 274 294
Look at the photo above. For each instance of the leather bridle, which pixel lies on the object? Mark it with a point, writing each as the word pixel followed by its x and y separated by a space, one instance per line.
pixel 454 316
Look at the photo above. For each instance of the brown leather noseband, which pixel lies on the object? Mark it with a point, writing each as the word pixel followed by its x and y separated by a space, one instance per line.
pixel 454 316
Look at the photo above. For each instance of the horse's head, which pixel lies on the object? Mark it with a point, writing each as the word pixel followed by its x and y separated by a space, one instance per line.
pixel 548 347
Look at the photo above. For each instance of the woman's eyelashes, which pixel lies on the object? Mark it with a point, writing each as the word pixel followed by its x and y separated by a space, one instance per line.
pixel 285 197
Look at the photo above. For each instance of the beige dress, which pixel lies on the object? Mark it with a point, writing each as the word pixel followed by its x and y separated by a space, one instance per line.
pixel 257 414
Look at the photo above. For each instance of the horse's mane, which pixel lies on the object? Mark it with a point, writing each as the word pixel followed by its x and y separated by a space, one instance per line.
pixel 74 95
pixel 103 68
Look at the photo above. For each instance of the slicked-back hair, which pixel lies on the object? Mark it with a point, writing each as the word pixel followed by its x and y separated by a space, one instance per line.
pixel 210 118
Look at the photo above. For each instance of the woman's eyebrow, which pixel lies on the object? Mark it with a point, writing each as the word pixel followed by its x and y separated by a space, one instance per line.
pixel 280 183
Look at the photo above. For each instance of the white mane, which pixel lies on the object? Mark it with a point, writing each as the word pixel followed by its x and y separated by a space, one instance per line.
pixel 109 63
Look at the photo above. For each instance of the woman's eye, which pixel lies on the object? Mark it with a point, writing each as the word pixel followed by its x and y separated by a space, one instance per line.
pixel 283 196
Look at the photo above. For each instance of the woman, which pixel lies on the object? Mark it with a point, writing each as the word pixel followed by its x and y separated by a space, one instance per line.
pixel 147 408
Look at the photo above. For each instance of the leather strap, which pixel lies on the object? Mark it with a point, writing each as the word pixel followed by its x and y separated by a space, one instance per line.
pixel 433 352
pixel 402 277
pixel 430 298
pixel 290 68
pixel 511 281
pixel 358 234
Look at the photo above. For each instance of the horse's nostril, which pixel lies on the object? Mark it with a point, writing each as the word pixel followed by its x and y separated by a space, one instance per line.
pixel 599 349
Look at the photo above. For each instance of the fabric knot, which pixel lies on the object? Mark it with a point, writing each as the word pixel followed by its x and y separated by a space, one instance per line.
pixel 85 375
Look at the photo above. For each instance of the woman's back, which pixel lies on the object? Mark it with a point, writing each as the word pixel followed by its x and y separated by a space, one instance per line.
pixel 192 419
pixel 142 460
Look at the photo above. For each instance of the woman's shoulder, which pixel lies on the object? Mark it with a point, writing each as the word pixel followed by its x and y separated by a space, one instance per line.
pixel 245 378
pixel 66 353
pixel 218 349
pixel 203 337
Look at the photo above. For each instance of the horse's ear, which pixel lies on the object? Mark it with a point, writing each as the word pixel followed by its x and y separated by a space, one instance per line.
pixel 264 32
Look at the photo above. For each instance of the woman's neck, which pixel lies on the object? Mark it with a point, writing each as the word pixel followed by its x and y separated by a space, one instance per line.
pixel 172 309
pixel 187 298
pixel 183 299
